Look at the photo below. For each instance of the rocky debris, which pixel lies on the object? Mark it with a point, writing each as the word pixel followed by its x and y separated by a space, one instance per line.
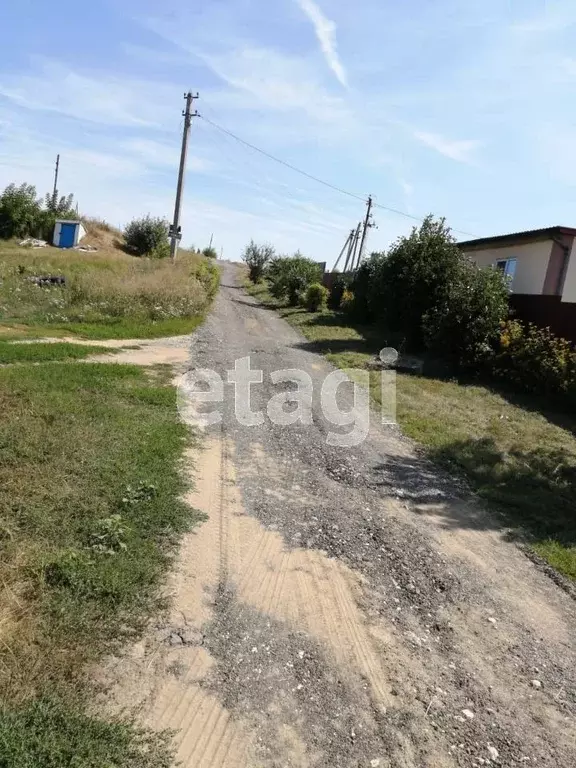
pixel 536 684
pixel 493 752
pixel 47 280
pixel 33 242
pixel 85 247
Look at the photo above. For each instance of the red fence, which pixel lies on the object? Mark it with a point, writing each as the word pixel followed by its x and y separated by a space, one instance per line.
pixel 546 311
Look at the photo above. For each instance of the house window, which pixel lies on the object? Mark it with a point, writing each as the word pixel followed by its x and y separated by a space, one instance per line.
pixel 508 269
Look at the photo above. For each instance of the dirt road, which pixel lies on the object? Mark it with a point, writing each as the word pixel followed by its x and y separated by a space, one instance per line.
pixel 344 606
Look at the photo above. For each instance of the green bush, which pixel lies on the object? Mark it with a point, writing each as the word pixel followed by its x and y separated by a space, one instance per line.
pixel 148 236
pixel 413 277
pixel 290 276
pixel 360 308
pixel 210 253
pixel 257 258
pixel 347 302
pixel 316 296
pixel 535 360
pixel 340 284
pixel 464 326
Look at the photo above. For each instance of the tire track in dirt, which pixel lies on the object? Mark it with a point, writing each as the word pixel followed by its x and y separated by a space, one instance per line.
pixel 298 587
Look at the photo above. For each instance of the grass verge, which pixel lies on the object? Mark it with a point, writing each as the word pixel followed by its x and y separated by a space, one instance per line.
pixel 106 294
pixel 517 452
pixel 42 353
pixel 90 512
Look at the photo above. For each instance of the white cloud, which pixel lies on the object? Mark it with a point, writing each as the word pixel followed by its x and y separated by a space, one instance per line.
pixel 102 99
pixel 460 150
pixel 157 154
pixel 278 82
pixel 326 33
pixel 407 188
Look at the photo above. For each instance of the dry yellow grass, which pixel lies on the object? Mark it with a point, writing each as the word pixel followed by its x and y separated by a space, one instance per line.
pixel 103 288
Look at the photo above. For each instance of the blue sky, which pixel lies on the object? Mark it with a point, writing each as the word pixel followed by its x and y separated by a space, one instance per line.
pixel 463 109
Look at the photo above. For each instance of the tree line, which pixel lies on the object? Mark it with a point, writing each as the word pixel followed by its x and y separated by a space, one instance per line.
pixel 425 296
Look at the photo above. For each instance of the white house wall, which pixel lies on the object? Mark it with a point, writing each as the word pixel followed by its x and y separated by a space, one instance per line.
pixel 569 294
pixel 56 237
pixel 531 267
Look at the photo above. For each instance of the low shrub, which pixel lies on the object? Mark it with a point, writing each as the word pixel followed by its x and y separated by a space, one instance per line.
pixel 335 298
pixel 148 236
pixel 290 276
pixel 316 296
pixel 347 301
pixel 535 360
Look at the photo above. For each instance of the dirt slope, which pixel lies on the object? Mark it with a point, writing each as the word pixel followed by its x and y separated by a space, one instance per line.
pixel 345 607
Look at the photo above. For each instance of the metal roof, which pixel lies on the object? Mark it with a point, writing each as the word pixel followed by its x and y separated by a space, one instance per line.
pixel 516 238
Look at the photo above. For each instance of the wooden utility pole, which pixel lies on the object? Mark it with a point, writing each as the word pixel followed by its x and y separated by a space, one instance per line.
pixel 350 258
pixel 346 244
pixel 55 192
pixel 367 224
pixel 175 229
pixel 349 251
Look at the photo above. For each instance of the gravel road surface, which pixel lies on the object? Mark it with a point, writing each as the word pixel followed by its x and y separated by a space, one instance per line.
pixel 345 606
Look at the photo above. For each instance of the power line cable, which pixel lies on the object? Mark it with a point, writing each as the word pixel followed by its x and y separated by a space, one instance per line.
pixel 266 187
pixel 316 179
pixel 282 162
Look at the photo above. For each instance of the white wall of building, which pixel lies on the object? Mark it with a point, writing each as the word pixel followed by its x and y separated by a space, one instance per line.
pixel 569 293
pixel 532 264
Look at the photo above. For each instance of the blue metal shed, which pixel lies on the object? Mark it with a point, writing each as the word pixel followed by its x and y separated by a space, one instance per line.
pixel 67 233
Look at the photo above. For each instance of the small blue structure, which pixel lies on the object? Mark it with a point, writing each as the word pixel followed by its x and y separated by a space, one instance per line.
pixel 67 233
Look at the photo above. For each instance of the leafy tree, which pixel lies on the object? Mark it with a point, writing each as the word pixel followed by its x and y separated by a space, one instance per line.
pixel 257 258
pixel 55 207
pixel 62 207
pixel 148 236
pixel 20 211
pixel 464 326
pixel 210 252
pixel 290 276
pixel 414 276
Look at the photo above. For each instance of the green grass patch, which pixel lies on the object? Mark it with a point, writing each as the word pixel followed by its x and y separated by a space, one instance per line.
pixel 45 352
pixel 50 733
pixel 517 452
pixel 90 513
pixel 129 328
pixel 111 328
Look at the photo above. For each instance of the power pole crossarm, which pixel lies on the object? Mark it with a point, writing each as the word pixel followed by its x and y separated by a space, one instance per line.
pixel 175 233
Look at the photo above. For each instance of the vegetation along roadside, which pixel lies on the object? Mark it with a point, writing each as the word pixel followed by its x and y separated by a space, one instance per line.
pixel 91 485
pixel 510 429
